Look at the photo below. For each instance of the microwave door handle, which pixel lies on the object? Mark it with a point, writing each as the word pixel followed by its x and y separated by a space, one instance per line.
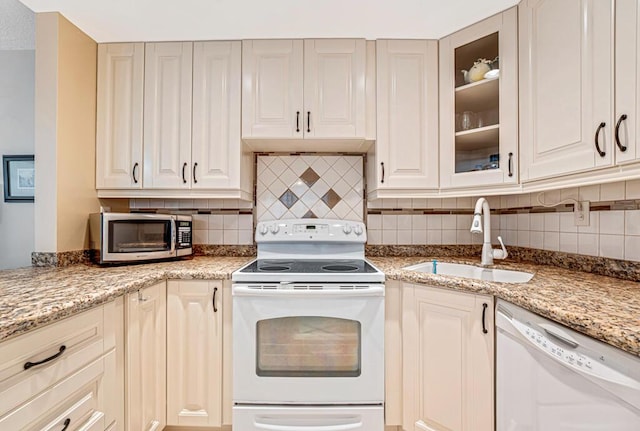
pixel 174 234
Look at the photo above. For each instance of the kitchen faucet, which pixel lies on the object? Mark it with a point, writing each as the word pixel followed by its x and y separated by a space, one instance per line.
pixel 488 253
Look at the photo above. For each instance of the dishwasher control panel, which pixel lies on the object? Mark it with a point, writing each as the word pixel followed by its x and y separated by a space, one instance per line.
pixel 595 366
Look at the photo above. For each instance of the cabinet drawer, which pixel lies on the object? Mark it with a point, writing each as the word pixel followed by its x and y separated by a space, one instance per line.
pixel 77 399
pixel 83 339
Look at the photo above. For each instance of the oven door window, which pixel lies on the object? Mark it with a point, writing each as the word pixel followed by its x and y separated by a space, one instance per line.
pixel 126 236
pixel 308 346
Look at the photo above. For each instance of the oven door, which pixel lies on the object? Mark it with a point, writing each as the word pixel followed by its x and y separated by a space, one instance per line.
pixel 308 344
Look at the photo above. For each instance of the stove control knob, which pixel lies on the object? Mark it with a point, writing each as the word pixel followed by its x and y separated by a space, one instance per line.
pixel 358 230
pixel 346 229
pixel 264 229
pixel 274 228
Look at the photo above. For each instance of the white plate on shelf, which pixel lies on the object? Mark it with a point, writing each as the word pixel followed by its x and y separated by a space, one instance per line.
pixel 492 74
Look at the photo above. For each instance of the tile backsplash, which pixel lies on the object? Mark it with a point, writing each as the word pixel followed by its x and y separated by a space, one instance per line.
pixel 310 186
pixel 332 187
pixel 613 231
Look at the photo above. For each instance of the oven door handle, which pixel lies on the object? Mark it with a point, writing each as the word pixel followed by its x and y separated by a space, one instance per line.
pixel 351 425
pixel 174 235
pixel 289 291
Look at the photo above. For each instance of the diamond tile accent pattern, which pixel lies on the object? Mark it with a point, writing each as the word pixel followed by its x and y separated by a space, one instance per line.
pixel 310 186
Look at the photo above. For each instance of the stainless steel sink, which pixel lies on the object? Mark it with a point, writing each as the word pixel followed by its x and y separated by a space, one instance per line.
pixel 471 271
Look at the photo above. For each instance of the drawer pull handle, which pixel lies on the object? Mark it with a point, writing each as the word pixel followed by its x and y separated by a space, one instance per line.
pixel 28 365
pixel 67 421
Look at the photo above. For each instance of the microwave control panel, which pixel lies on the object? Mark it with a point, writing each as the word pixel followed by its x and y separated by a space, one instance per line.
pixel 184 234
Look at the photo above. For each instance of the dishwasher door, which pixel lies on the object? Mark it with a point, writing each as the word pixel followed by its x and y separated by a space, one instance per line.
pixel 549 378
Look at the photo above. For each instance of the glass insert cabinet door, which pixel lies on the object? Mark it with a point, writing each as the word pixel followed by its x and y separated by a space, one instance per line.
pixel 479 104
pixel 308 346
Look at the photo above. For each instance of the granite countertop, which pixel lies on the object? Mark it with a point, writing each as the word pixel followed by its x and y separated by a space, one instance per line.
pixel 602 307
pixel 32 297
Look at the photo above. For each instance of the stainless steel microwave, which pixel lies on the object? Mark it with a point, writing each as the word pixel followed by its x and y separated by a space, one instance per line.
pixel 131 237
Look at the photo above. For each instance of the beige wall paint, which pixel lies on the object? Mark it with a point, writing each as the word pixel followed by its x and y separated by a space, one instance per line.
pixel 46 107
pixel 65 134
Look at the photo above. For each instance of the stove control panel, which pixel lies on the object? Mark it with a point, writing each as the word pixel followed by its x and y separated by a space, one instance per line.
pixel 309 230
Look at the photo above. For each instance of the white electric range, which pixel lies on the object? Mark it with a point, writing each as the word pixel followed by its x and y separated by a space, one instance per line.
pixel 308 330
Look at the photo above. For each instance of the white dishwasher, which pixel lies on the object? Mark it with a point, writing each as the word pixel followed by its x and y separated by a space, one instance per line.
pixel 550 378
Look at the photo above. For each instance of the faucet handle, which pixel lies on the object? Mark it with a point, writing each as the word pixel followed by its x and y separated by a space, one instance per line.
pixel 500 254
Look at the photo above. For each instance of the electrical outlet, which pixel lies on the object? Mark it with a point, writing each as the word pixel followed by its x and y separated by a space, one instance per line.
pixel 581 214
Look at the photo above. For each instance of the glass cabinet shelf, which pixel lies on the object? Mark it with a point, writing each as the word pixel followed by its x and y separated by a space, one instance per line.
pixel 478 96
pixel 482 137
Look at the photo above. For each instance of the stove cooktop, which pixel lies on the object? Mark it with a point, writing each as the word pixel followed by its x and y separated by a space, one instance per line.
pixel 304 270
pixel 303 266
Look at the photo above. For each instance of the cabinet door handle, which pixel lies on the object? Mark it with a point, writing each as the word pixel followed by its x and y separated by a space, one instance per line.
pixel 66 424
pixel 308 121
pixel 215 308
pixel 382 166
pixel 184 178
pixel 195 165
pixel 134 172
pixel 600 127
pixel 510 164
pixel 297 121
pixel 28 365
pixel 623 148
pixel 484 312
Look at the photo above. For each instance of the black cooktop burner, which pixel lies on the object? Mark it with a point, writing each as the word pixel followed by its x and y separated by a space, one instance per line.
pixel 340 268
pixel 298 266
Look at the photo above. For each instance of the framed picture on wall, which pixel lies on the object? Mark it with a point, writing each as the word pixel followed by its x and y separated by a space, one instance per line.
pixel 19 178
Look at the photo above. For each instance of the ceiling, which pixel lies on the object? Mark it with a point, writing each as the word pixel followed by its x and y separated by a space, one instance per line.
pixel 164 20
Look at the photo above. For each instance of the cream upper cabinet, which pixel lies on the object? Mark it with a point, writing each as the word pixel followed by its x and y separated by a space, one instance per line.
pixel 217 157
pixel 566 84
pixel 194 356
pixel 167 115
pixel 145 362
pixel 119 115
pixel 479 107
pixel 272 87
pixel 334 88
pixel 448 358
pixel 627 81
pixel 405 156
pixel 295 89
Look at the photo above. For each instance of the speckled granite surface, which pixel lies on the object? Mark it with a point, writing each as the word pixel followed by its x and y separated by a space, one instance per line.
pixel 32 297
pixel 602 307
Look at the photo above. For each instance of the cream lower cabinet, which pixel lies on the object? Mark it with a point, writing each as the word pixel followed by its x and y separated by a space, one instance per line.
pixel 194 359
pixel 66 375
pixel 404 160
pixel 448 360
pixel 146 350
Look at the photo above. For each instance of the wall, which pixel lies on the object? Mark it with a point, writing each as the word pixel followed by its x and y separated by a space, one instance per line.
pixel 613 230
pixel 65 134
pixel 17 57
